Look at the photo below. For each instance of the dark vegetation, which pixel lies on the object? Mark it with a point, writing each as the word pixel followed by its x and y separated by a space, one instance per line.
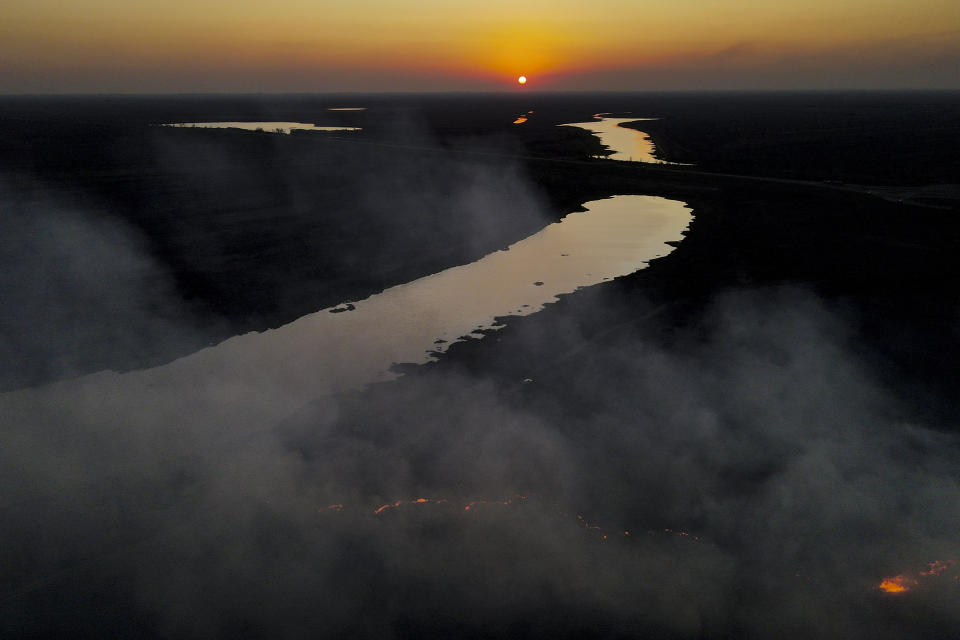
pixel 255 230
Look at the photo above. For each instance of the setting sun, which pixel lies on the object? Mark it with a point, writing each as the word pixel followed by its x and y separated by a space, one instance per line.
pixel 522 79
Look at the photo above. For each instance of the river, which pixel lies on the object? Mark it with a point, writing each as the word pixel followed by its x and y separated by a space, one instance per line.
pixel 259 378
pixel 269 127
pixel 626 144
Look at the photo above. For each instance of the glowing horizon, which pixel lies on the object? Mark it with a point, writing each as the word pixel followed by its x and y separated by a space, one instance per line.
pixel 372 45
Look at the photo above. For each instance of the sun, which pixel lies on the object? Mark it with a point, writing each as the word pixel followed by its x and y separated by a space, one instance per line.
pixel 522 79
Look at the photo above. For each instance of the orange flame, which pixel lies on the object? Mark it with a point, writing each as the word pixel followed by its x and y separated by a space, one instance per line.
pixel 897 584
pixel 903 583
pixel 384 507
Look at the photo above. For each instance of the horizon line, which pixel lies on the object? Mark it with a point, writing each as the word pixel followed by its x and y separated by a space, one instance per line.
pixel 502 92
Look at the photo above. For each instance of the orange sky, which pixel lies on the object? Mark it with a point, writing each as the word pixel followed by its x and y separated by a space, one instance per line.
pixel 370 45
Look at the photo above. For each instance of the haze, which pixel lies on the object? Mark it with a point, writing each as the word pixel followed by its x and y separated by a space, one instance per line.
pixel 50 46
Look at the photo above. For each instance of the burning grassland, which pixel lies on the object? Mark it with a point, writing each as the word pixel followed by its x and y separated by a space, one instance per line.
pixel 515 501
pixel 905 582
pixel 936 571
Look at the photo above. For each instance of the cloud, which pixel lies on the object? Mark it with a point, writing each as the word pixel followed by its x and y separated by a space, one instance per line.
pixel 922 61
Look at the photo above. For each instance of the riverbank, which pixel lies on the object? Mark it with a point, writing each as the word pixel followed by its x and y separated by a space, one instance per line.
pixel 890 269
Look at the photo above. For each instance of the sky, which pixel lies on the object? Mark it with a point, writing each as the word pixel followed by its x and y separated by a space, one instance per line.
pixel 67 46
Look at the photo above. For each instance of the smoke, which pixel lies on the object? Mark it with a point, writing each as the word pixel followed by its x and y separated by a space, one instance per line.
pixel 77 287
pixel 760 429
pixel 758 432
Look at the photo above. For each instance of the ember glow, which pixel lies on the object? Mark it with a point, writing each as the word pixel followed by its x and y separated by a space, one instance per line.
pixel 901 583
pixel 936 568
pixel 517 500
pixel 906 582
pixel 897 584
pixel 400 503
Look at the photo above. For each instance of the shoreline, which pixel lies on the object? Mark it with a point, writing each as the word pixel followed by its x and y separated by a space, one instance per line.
pixel 765 238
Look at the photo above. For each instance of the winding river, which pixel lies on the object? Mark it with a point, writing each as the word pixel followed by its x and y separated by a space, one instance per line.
pixel 627 144
pixel 259 378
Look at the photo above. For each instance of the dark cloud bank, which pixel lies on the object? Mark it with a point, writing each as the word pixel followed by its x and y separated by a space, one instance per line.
pixel 760 430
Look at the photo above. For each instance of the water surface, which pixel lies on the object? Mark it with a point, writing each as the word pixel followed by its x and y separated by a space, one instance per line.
pixel 262 377
pixel 627 144
pixel 270 127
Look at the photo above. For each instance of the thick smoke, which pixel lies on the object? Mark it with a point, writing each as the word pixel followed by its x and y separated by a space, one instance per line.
pixel 761 432
pixel 76 286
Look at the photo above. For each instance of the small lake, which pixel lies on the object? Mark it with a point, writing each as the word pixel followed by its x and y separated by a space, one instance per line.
pixel 266 376
pixel 627 144
pixel 269 127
